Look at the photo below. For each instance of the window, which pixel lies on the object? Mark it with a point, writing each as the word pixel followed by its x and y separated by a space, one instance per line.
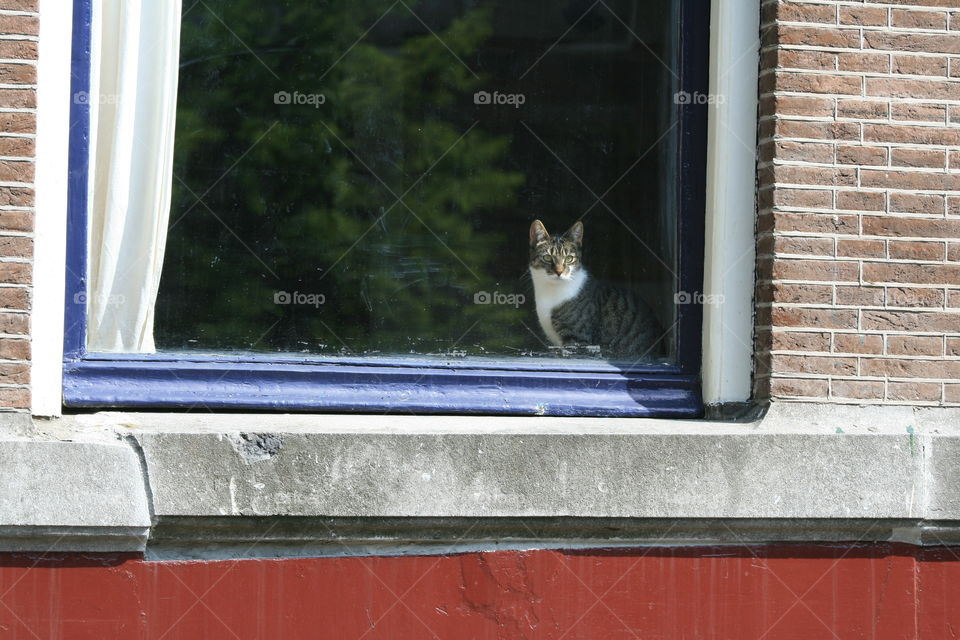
pixel 345 219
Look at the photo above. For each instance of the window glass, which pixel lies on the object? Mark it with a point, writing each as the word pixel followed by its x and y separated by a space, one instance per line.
pixel 359 177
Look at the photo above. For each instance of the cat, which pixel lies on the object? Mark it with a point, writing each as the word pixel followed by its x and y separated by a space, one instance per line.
pixel 575 308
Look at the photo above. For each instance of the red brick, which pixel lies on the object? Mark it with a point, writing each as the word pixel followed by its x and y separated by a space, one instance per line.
pixel 818 37
pixel 824 365
pixel 861 200
pixel 911 134
pixel 802 12
pixel 919 203
pixel 914 345
pixel 784 292
pixel 16 247
pixel 933 158
pixel 804 198
pixel 816 270
pixel 23 147
pixel 860 248
pixel 14 373
pixel 922 88
pixel 18 122
pixel 801 341
pixel 911 273
pixel 919 112
pixel 15 272
pixel 794 59
pixel 14 349
pixel 18 50
pixel 20 25
pixel 797 105
pixel 866 16
pixel 953 205
pixel 12 398
pixel 873 109
pixel 920 368
pixel 14 298
pixel 875 62
pixel 16 197
pixel 910 227
pixel 818 176
pixel 804 151
pixel 817 130
pixel 913 250
pixel 951 392
pixel 798 388
pixel 909 180
pixel 16 220
pixel 860 296
pixel 953 252
pixel 918 19
pixel 817 83
pixel 803 246
pixel 18 98
pixel 914 297
pixel 809 222
pixel 919 42
pixel 913 391
pixel 814 318
pixel 926 3
pixel 20 5
pixel 18 74
pixel 920 65
pixel 863 156
pixel 16 171
pixel 857 343
pixel 857 389
pixel 912 321
pixel 953 347
pixel 15 323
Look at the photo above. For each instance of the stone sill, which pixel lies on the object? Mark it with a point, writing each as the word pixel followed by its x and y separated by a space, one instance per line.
pixel 186 485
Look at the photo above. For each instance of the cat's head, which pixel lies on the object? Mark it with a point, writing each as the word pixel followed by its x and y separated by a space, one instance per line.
pixel 558 256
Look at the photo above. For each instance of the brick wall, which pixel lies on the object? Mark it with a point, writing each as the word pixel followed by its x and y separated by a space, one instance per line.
pixel 859 222
pixel 18 100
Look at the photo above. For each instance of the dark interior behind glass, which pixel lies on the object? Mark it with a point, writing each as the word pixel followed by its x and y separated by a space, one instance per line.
pixel 352 177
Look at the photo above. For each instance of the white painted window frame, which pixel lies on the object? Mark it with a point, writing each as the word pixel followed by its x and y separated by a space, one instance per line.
pixel 730 213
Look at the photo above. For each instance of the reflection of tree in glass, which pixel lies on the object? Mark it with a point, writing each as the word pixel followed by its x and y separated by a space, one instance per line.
pixel 292 209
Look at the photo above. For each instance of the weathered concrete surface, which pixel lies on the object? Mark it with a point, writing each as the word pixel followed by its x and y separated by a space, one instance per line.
pixel 71 496
pixel 508 475
pixel 799 461
pixel 821 472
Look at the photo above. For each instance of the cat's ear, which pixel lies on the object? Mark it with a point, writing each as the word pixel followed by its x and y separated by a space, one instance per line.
pixel 575 233
pixel 538 233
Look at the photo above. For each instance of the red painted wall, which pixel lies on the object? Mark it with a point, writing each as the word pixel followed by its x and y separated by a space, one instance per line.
pixel 767 592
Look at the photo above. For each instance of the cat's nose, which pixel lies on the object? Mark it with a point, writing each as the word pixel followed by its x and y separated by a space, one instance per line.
pixel 559 269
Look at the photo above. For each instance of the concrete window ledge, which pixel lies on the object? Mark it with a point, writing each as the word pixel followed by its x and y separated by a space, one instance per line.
pixel 182 485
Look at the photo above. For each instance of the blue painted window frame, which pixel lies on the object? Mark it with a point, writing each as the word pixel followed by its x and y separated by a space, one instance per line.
pixel 177 381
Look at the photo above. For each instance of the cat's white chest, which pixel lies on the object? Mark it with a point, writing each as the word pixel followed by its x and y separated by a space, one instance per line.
pixel 550 292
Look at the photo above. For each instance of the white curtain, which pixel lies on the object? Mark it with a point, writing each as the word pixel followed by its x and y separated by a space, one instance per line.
pixel 133 99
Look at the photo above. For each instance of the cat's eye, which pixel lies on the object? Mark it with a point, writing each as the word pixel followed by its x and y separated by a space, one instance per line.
pixel 547 258
pixel 570 259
